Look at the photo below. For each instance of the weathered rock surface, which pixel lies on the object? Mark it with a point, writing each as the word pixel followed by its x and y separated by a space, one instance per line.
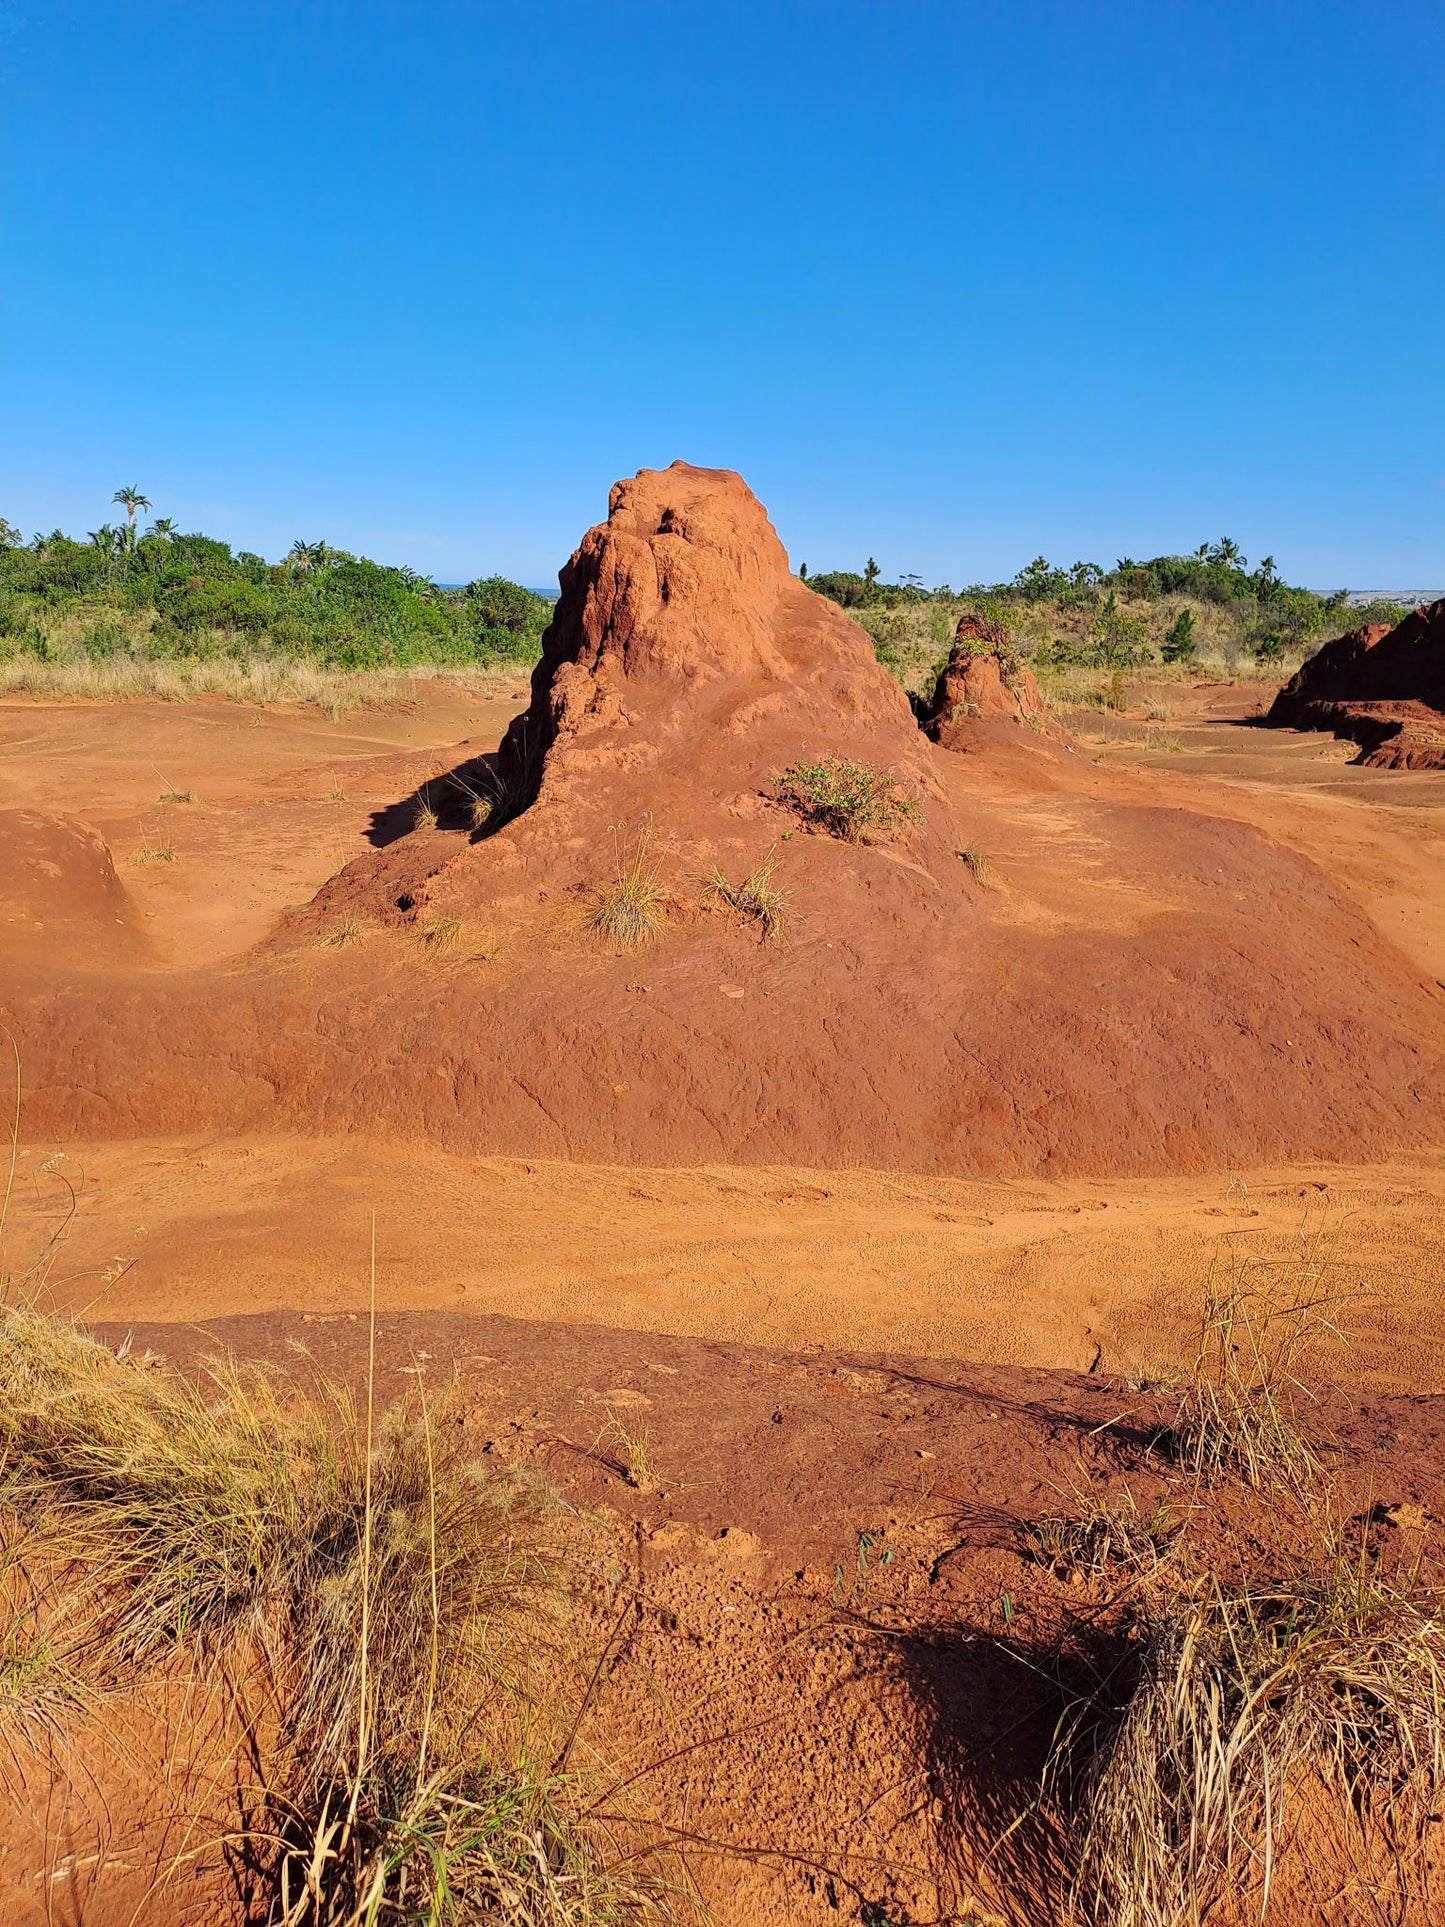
pixel 984 682
pixel 1380 687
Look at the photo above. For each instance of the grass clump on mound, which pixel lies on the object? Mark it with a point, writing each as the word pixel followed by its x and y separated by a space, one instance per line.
pixel 392 1604
pixel 1102 1532
pixel 758 897
pixel 629 910
pixel 852 800
pixel 1242 1701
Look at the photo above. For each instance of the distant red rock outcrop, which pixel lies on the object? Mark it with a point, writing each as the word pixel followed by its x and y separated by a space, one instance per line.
pixel 984 682
pixel 1380 687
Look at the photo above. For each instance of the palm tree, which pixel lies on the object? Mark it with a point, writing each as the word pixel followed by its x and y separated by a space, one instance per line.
pixel 104 538
pixel 164 527
pixel 130 500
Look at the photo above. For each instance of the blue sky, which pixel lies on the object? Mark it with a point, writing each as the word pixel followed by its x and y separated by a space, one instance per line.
pixel 950 284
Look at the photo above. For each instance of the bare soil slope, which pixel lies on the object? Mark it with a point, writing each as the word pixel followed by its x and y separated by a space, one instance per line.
pixel 1151 989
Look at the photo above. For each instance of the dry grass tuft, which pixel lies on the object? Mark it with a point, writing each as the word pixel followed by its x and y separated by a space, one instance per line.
pixel 155 852
pixel 498 799
pixel 633 1447
pixel 442 934
pixel 401 1599
pixel 350 930
pixel 758 897
pixel 192 1512
pixel 1240 1407
pixel 176 796
pixel 43 1682
pixel 1242 1702
pixel 424 817
pixel 472 1848
pixel 980 868
pixel 1099 1533
pixel 629 912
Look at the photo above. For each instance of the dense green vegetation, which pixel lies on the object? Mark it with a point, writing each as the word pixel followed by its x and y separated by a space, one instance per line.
pixel 164 597
pixel 1208 607
pixel 156 611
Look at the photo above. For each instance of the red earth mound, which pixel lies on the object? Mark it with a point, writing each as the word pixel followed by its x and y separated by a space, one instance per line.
pixel 983 684
pixel 1382 688
pixel 61 901
pixel 1123 989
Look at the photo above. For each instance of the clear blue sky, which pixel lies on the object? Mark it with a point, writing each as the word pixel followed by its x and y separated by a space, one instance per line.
pixel 949 283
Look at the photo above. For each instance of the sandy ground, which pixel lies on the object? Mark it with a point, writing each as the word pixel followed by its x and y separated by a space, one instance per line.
pixel 1106 1275
pixel 1082 1276
pixel 1379 832
pixel 279 799
pixel 797 1341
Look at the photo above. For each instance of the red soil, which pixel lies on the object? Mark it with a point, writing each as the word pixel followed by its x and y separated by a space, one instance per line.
pixel 61 901
pixel 1147 989
pixel 1382 688
pixel 835 1675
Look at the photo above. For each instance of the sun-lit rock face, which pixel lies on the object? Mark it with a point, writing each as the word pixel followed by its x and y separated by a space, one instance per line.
pixel 1380 687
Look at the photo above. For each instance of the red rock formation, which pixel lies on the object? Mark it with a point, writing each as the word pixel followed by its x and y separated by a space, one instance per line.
pixel 984 682
pixel 680 627
pixel 1380 687
pixel 1142 989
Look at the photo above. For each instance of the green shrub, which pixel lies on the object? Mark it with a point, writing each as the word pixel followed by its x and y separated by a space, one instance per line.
pixel 107 637
pixel 165 595
pixel 851 800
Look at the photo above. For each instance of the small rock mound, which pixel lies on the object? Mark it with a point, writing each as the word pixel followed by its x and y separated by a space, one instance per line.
pixel 1380 687
pixel 984 682
pixel 59 889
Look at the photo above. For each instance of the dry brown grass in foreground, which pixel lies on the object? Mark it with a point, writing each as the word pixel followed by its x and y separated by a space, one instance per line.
pixel 1245 1704
pixel 1243 1408
pixel 1298 1694
pixel 391 1605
